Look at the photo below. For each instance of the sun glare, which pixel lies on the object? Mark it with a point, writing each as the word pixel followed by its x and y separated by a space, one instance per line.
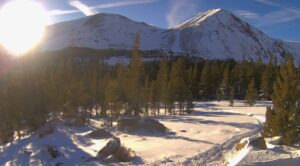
pixel 22 25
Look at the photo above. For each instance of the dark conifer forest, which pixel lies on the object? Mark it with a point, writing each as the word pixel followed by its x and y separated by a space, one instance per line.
pixel 34 88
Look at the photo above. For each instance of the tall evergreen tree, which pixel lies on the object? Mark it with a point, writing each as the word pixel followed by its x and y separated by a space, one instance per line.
pixel 267 81
pixel 114 99
pixel 283 119
pixel 179 87
pixel 194 83
pixel 135 79
pixel 163 81
pixel 251 94
pixel 205 82
pixel 224 87
pixel 231 97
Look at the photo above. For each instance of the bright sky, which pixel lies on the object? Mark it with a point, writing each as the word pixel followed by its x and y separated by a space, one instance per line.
pixel 277 18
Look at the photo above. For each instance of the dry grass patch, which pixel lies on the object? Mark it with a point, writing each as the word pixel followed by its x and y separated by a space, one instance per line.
pixel 239 146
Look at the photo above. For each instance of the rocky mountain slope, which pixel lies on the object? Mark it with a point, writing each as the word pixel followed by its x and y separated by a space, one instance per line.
pixel 215 34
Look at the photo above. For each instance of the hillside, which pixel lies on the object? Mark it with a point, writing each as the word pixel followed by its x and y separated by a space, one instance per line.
pixel 215 34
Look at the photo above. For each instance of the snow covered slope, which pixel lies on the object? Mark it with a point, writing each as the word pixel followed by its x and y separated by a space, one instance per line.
pixel 215 34
pixel 101 31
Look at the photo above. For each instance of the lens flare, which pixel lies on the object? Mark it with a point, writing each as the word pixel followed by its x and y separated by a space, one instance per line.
pixel 23 25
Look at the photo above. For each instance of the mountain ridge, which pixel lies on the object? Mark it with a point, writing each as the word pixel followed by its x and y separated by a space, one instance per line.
pixel 214 34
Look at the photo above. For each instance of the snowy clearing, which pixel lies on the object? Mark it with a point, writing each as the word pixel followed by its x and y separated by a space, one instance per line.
pixel 212 128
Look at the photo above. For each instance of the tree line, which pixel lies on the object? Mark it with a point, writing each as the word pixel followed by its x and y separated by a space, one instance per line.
pixel 34 87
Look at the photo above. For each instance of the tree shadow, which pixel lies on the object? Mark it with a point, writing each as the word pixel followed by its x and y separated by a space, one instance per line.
pixel 190 120
pixel 279 162
pixel 216 113
pixel 189 139
pixel 204 105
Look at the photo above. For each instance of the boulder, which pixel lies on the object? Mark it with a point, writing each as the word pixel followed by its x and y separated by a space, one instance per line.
pixel 129 124
pixel 135 124
pixel 152 125
pixel 110 148
pixel 74 121
pixel 52 152
pixel 259 143
pixel 45 130
pixel 100 134
pixel 113 152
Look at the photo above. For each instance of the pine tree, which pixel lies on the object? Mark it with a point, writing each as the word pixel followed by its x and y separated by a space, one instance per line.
pixel 283 119
pixel 135 79
pixel 251 94
pixel 178 84
pixel 205 82
pixel 218 95
pixel 113 98
pixel 242 80
pixel 224 87
pixel 146 98
pixel 153 96
pixel 267 81
pixel 163 81
pixel 194 87
pixel 231 97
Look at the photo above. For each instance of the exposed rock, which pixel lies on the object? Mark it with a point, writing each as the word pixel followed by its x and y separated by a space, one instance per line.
pixel 259 143
pixel 75 122
pixel 113 152
pixel 153 125
pixel 134 124
pixel 52 152
pixel 100 133
pixel 45 130
pixel 110 148
pixel 129 124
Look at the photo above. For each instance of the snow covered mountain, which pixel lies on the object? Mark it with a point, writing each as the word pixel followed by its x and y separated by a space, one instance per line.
pixel 101 31
pixel 215 34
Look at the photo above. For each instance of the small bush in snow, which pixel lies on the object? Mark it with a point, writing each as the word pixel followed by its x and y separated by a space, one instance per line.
pixel 124 154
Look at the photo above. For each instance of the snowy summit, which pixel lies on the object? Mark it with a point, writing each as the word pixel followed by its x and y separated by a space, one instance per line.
pixel 215 34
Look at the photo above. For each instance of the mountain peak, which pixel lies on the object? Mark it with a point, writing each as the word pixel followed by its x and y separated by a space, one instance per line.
pixel 202 16
pixel 216 33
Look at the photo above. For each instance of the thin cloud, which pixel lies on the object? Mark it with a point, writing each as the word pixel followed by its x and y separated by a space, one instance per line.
pixel 104 6
pixel 247 14
pixel 123 3
pixel 63 12
pixel 285 14
pixel 276 17
pixel 180 10
pixel 82 7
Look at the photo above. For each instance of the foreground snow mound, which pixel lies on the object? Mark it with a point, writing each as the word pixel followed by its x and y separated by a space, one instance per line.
pixel 67 146
pixel 278 156
pixel 58 147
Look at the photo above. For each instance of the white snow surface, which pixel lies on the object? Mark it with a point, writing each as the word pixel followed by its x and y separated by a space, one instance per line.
pixel 195 138
pixel 101 31
pixel 215 34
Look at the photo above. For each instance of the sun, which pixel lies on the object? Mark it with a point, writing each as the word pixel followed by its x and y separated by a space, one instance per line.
pixel 22 25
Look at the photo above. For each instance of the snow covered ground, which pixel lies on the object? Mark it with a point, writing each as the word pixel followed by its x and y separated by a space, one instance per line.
pixel 212 128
